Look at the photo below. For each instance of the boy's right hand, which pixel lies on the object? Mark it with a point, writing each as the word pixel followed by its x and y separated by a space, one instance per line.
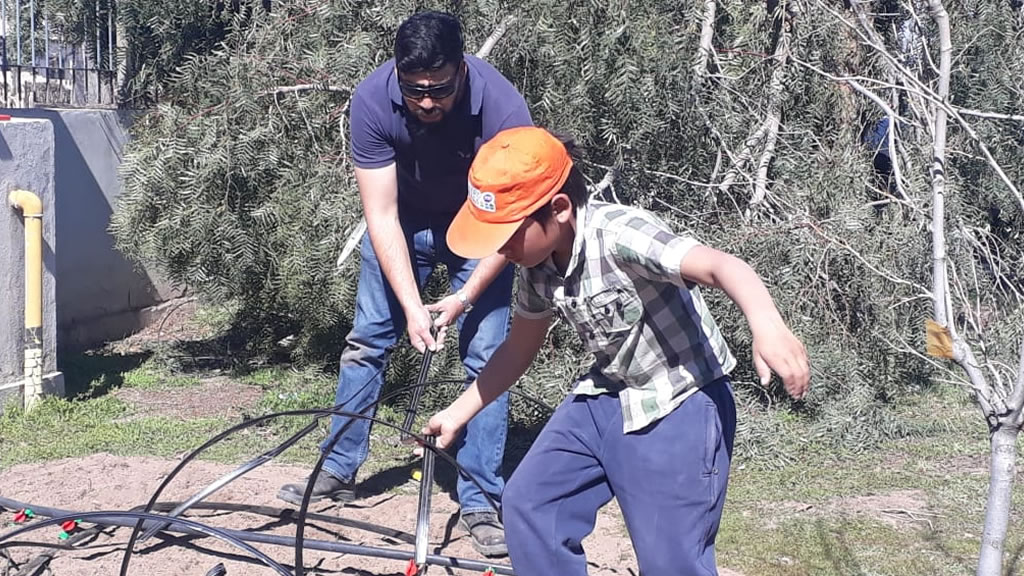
pixel 445 427
pixel 777 350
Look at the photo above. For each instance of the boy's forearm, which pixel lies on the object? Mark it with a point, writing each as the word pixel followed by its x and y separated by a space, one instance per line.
pixel 508 363
pixel 742 284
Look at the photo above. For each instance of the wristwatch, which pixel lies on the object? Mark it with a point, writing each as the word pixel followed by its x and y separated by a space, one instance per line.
pixel 464 300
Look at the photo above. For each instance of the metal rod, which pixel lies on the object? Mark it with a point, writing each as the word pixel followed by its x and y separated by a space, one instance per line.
pixel 17 28
pixel 3 45
pixel 110 33
pixel 423 512
pixel 417 394
pixel 99 55
pixel 85 71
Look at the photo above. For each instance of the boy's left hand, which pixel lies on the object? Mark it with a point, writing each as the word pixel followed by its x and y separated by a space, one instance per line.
pixel 777 350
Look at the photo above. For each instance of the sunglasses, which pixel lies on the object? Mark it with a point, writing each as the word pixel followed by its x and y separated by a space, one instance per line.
pixel 434 92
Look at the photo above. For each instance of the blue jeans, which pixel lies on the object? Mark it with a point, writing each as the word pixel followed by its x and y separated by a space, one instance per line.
pixel 669 479
pixel 380 321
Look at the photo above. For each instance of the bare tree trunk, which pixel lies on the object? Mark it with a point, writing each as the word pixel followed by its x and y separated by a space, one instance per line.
pixel 1003 469
pixel 1000 491
pixel 940 287
pixel 1003 419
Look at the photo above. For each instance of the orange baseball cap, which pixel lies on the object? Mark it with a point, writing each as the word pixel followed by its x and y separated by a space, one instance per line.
pixel 514 173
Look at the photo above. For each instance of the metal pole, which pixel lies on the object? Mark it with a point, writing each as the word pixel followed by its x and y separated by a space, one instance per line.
pixel 99 55
pixel 3 24
pixel 46 44
pixel 110 51
pixel 17 29
pixel 3 45
pixel 110 33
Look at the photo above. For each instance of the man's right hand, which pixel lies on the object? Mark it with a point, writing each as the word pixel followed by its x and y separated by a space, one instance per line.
pixel 420 324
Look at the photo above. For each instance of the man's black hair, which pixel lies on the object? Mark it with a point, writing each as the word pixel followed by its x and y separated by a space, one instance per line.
pixel 575 186
pixel 428 41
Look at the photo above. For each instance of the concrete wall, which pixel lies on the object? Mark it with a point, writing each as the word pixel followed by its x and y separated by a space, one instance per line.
pixel 99 294
pixel 26 162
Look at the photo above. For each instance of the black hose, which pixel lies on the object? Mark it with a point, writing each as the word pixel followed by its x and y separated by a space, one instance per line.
pixel 318 414
pixel 224 535
pixel 189 527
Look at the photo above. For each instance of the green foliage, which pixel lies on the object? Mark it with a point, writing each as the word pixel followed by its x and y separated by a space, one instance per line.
pixel 239 184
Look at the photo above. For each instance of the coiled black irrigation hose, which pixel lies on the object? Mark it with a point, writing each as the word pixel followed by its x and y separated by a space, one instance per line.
pixel 238 538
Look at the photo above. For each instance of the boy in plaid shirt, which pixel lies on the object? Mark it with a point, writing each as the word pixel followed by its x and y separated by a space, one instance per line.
pixel 652 422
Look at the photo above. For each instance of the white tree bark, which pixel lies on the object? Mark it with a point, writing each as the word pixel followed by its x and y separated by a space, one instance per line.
pixel 1003 416
pixel 781 58
pixel 707 34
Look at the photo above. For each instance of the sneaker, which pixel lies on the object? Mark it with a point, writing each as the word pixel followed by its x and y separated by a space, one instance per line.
pixel 326 487
pixel 485 532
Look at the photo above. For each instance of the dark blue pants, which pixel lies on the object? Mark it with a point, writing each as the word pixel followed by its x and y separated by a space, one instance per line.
pixel 669 479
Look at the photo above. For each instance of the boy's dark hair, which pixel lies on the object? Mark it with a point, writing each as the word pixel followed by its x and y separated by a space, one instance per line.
pixel 428 41
pixel 575 186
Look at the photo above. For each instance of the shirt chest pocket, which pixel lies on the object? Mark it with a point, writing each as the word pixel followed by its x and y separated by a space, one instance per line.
pixel 606 317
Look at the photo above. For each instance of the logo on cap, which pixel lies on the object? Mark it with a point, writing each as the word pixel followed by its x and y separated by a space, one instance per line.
pixel 482 200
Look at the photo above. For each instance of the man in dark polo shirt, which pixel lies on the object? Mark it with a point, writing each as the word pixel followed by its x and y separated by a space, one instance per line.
pixel 417 122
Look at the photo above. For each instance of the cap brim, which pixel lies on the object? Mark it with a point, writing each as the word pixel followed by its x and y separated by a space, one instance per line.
pixel 472 239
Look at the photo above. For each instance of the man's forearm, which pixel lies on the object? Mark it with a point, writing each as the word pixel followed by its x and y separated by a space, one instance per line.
pixel 389 245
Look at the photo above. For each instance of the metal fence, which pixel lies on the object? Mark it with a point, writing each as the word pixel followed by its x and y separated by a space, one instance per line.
pixel 50 58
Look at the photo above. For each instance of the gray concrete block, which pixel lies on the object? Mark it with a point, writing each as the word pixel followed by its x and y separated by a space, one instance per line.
pixel 26 162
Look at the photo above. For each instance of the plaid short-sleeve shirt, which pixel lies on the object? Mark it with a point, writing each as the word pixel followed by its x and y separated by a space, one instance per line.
pixel 653 338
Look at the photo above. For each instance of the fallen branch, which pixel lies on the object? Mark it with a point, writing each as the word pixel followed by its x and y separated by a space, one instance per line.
pixel 707 34
pixel 744 157
pixel 606 184
pixel 781 58
pixel 488 45
pixel 941 101
pixel 990 115
pixel 305 88
pixel 893 117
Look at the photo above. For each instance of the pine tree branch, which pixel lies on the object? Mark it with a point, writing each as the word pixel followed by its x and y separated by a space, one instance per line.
pixel 744 157
pixel 923 291
pixel 606 183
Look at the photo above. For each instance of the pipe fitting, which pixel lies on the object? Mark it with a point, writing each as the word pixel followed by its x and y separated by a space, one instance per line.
pixel 29 204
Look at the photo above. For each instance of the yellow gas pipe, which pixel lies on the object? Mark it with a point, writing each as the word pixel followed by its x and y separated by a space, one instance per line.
pixel 32 210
